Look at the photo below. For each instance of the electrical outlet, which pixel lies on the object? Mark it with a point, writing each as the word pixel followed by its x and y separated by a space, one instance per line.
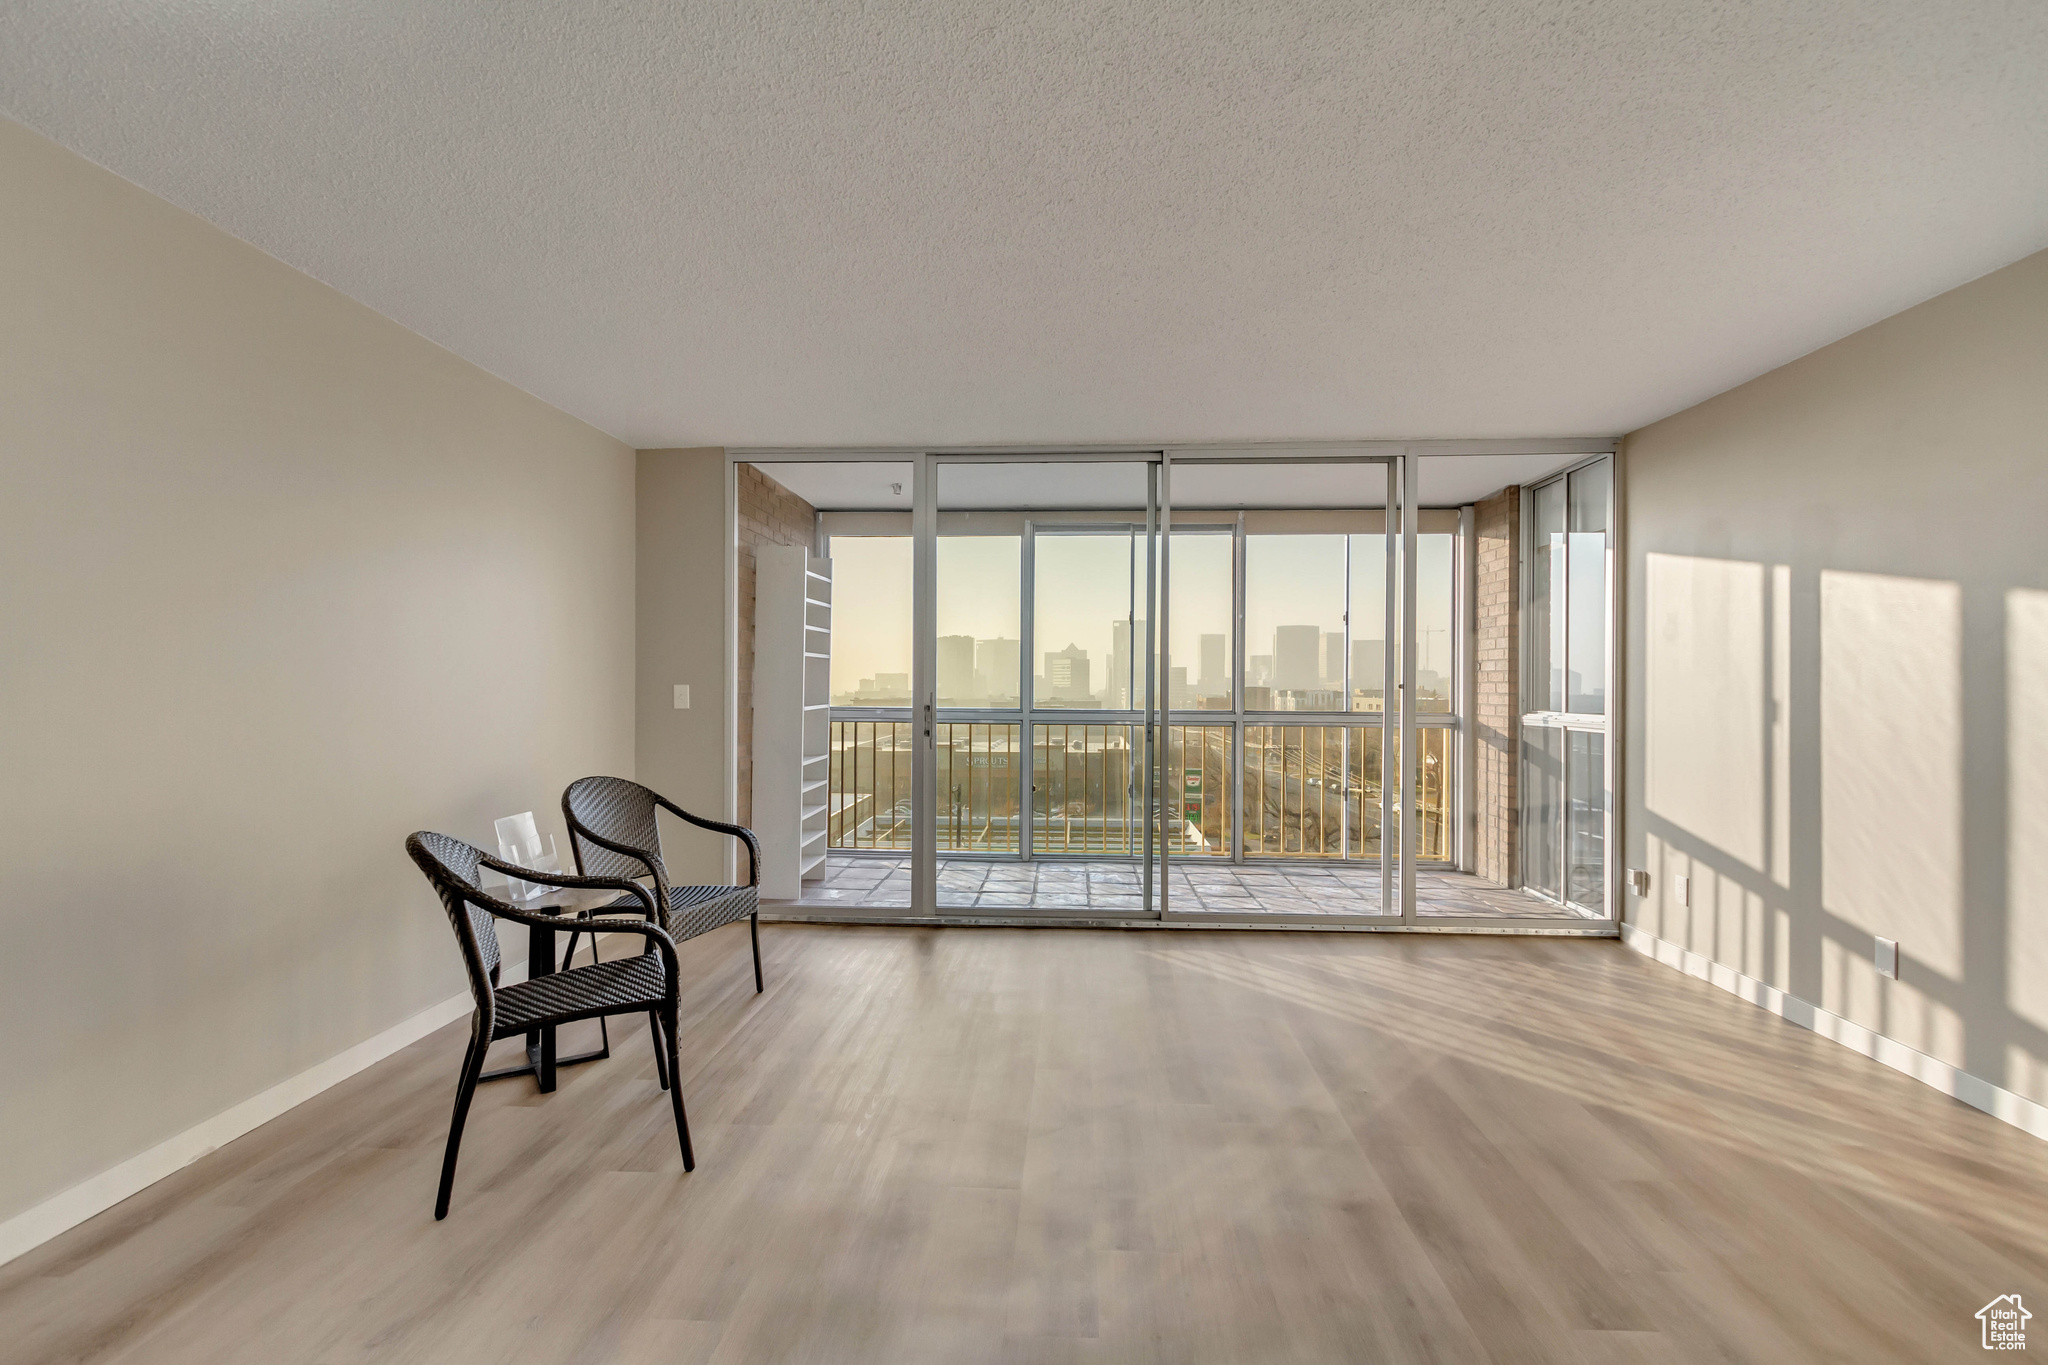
pixel 1639 881
pixel 1888 958
pixel 682 696
pixel 1681 887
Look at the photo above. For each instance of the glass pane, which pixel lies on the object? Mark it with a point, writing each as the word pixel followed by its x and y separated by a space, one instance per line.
pixel 1294 623
pixel 1545 633
pixel 1369 626
pixel 1588 790
pixel 1198 790
pixel 1543 809
pixel 1586 670
pixel 977 788
pixel 1434 795
pixel 870 784
pixel 870 620
pixel 1294 790
pixel 1081 790
pixel 1085 616
pixel 1201 616
pixel 978 615
pixel 1434 633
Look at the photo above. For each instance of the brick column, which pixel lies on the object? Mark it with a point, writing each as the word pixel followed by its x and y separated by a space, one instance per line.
pixel 1496 720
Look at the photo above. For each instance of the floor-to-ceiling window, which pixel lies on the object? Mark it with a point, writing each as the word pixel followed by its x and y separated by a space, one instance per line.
pixel 1278 688
pixel 1566 780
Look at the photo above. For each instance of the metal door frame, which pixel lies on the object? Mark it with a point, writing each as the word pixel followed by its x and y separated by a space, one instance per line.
pixel 925 512
pixel 1397 862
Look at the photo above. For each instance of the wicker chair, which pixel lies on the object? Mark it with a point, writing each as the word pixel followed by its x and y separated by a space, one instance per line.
pixel 644 983
pixel 613 832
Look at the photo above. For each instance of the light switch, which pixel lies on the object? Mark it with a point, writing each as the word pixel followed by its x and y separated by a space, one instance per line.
pixel 1639 881
pixel 1682 888
pixel 1888 958
pixel 682 696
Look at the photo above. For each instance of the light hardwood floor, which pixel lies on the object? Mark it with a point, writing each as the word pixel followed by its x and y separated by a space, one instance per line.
pixel 1018 1145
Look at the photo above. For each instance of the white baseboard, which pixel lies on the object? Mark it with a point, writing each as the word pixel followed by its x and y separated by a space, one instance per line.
pixel 1952 1081
pixel 61 1212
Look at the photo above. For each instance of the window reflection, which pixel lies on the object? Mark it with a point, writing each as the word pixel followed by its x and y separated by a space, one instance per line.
pixel 1586 567
pixel 1546 585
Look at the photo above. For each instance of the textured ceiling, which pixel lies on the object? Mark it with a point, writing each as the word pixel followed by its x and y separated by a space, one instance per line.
pixel 775 223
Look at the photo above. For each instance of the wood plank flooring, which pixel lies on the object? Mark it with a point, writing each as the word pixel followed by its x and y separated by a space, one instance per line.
pixel 1016 1145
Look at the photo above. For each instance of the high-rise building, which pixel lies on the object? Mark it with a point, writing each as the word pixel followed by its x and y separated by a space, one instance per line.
pixel 995 665
pixel 1066 676
pixel 1297 665
pixel 1333 659
pixel 956 670
pixel 1214 676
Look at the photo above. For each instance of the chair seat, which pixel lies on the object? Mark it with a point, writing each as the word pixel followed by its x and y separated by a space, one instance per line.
pixel 694 910
pixel 622 985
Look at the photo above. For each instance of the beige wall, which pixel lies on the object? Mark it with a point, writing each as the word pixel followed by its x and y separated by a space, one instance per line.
pixel 279 583
pixel 685 635
pixel 1838 676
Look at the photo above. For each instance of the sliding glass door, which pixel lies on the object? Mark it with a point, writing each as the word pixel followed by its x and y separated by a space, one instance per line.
pixel 1112 722
pixel 1042 715
pixel 1285 629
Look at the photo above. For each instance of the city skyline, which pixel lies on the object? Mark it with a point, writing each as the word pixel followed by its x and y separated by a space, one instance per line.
pixel 1304 672
pixel 1082 598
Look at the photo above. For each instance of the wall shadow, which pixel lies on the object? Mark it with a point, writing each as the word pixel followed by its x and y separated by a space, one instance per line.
pixel 1829 755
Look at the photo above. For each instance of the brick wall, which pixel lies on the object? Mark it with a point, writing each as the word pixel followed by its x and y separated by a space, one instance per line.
pixel 769 514
pixel 1498 672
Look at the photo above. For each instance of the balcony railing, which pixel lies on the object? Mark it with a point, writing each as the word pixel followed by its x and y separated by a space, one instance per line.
pixel 870 776
pixel 1307 791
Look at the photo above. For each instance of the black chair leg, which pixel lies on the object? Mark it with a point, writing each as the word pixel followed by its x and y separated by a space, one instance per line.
pixel 754 929
pixel 660 1048
pixel 675 1095
pixel 472 1067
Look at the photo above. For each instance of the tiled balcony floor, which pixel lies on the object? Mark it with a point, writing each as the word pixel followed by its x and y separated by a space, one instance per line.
pixel 879 882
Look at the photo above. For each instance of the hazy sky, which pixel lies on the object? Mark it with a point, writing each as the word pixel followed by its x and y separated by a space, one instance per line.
pixel 1084 585
pixel 979 578
pixel 870 608
pixel 1200 602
